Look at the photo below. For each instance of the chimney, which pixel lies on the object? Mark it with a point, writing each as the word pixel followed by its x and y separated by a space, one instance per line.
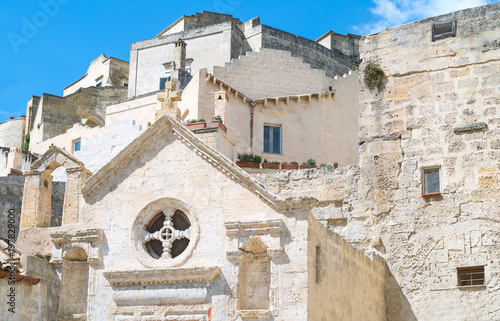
pixel 180 55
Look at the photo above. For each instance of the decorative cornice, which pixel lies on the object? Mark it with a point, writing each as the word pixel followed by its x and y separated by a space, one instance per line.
pixel 162 276
pixel 88 240
pixel 265 101
pixel 256 227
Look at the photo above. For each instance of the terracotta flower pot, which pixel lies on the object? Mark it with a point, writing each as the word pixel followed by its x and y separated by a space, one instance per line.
pixel 290 166
pixel 271 165
pixel 307 166
pixel 218 123
pixel 198 125
pixel 248 164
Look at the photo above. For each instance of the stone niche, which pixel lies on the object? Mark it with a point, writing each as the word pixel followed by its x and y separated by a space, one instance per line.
pixel 255 249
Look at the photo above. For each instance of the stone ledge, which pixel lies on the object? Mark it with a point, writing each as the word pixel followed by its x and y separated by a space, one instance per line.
pixel 470 127
pixel 254 314
pixel 162 276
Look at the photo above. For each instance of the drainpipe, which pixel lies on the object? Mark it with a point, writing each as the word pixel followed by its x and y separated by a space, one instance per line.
pixel 252 108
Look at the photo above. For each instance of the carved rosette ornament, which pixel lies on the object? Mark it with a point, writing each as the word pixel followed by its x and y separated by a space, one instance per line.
pixel 167 234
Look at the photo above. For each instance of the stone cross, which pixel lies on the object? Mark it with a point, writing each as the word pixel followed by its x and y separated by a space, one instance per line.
pixel 168 99
pixel 167 234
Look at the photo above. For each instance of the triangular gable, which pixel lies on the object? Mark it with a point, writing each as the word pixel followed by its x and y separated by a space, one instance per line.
pixel 55 157
pixel 221 162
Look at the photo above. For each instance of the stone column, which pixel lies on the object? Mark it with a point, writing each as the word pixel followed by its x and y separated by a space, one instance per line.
pixel 74 183
pixel 37 197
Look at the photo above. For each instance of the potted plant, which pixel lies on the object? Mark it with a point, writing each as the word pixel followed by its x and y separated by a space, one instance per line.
pixel 249 160
pixel 196 124
pixel 291 166
pixel 311 163
pixel 217 122
pixel 271 165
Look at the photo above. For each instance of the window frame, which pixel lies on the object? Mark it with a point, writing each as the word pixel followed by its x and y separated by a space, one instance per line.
pixel 73 145
pixel 451 33
pixel 471 270
pixel 271 139
pixel 431 169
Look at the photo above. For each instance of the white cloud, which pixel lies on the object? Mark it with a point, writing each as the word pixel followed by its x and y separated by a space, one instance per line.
pixel 388 13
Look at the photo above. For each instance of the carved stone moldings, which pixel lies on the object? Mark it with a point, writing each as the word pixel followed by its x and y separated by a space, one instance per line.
pixel 165 286
pixel 204 275
pixel 77 246
pixel 254 314
pixel 256 236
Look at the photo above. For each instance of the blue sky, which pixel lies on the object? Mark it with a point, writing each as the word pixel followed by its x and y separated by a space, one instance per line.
pixel 47 44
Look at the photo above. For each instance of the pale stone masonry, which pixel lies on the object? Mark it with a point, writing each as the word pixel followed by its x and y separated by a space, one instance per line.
pixel 157 221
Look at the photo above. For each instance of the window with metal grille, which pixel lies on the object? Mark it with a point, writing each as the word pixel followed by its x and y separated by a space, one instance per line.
pixel 444 30
pixel 470 276
pixel 272 139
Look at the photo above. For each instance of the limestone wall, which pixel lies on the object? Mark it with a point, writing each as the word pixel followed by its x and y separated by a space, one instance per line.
pixel 32 302
pixel 208 48
pixel 55 114
pixel 11 193
pixel 332 61
pixel 430 112
pixel 107 71
pixel 12 133
pixel 345 284
pixel 272 73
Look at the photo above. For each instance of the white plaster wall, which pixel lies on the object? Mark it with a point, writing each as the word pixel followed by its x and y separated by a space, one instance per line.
pixel 141 110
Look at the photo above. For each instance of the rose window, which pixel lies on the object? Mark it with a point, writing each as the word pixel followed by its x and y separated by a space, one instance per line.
pixel 167 234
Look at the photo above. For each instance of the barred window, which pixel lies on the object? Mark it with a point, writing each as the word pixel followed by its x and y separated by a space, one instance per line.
pixel 470 276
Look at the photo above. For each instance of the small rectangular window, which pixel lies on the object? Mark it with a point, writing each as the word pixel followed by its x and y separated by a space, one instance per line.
pixel 77 144
pixel 99 84
pixel 272 139
pixel 431 182
pixel 470 276
pixel 444 30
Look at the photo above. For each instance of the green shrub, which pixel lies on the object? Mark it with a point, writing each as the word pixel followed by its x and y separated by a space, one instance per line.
pixel 256 159
pixel 245 157
pixel 217 118
pixel 294 162
pixel 373 76
pixel 275 162
pixel 311 161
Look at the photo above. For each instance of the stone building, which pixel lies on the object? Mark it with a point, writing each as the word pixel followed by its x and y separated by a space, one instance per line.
pixel 163 225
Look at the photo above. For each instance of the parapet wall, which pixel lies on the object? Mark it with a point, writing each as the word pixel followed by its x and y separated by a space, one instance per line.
pixel 345 284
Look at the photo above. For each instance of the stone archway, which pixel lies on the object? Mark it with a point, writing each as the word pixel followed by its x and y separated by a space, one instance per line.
pixel 38 188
